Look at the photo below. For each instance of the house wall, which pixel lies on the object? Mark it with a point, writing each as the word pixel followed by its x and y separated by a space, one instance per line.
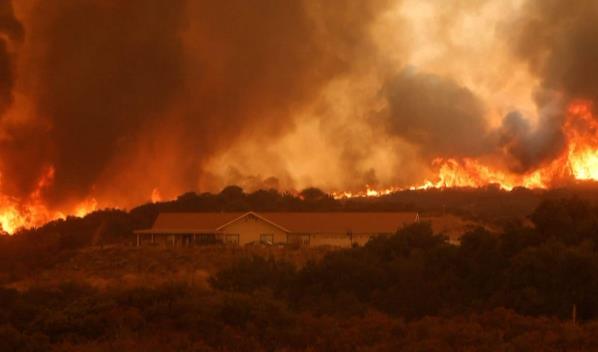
pixel 250 228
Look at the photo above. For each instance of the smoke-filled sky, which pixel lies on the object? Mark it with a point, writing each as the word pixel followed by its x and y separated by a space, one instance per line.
pixel 124 97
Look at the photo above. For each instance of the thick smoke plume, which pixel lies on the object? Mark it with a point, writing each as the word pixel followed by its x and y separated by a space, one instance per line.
pixel 138 94
pixel 559 41
pixel 104 70
pixel 122 97
pixel 436 114
pixel 526 146
pixel 11 34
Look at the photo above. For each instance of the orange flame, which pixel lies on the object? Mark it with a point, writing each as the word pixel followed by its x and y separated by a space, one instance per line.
pixel 582 135
pixel 16 213
pixel 31 211
pixel 156 195
pixel 578 161
pixel 87 206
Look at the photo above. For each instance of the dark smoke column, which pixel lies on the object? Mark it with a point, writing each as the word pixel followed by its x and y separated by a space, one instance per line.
pixel 11 34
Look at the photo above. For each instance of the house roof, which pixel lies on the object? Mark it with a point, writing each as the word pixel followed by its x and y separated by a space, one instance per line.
pixel 329 222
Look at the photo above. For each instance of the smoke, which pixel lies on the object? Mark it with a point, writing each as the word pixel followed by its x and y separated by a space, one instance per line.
pixel 102 71
pixel 442 118
pixel 133 95
pixel 11 37
pixel 559 42
pixel 129 96
pixel 526 146
pixel 11 34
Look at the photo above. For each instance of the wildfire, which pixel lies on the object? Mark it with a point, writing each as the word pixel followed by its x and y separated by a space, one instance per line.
pixel 156 195
pixel 582 135
pixel 86 207
pixel 32 211
pixel 578 161
pixel 368 192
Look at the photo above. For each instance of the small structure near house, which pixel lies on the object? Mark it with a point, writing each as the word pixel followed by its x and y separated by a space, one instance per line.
pixel 306 229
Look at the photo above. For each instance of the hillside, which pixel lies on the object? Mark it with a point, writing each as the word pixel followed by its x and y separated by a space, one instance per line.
pixel 31 249
pixel 524 288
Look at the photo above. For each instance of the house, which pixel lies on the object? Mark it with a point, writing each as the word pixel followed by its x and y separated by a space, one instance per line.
pixel 308 229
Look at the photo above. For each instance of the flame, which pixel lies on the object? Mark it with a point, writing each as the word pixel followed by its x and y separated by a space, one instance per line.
pixel 16 213
pixel 577 162
pixel 156 195
pixel 472 173
pixel 87 206
pixel 32 211
pixel 368 192
pixel 582 135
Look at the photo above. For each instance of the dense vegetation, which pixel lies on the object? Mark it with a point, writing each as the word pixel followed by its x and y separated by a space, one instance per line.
pixel 184 318
pixel 56 241
pixel 542 270
pixel 516 290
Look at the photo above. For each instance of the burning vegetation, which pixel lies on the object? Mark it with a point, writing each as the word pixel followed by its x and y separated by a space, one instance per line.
pixel 76 285
pixel 578 161
pixel 480 114
pixel 358 98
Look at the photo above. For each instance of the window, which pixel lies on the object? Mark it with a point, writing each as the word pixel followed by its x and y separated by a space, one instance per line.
pixel 267 238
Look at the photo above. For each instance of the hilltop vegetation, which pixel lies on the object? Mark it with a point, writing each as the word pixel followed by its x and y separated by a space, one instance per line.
pixel 543 270
pixel 57 241
pixel 186 318
pixel 75 285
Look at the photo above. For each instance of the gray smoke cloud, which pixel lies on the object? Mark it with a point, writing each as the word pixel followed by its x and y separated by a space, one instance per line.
pixel 527 146
pixel 559 41
pixel 443 118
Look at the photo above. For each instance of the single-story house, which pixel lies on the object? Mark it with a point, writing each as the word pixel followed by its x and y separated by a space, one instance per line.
pixel 309 229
